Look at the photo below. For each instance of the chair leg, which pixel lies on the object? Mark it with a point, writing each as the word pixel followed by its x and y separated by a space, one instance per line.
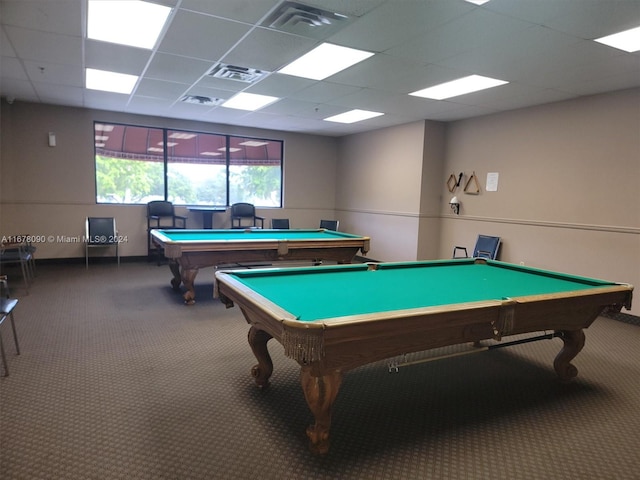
pixel 25 276
pixel 15 333
pixel 4 357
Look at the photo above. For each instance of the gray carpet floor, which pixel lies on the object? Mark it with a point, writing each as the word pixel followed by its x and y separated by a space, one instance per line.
pixel 119 380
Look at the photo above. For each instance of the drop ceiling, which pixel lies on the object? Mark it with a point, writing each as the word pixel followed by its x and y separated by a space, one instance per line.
pixel 213 49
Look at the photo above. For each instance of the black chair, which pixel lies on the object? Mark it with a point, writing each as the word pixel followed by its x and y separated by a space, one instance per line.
pixel 280 223
pixel 245 212
pixel 486 247
pixel 161 214
pixel 329 224
pixel 100 232
pixel 7 305
pixel 19 253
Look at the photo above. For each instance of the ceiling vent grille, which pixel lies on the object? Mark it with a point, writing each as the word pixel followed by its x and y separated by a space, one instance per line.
pixel 301 19
pixel 239 74
pixel 201 100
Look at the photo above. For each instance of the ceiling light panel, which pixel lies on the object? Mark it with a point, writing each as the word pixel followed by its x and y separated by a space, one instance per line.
pixel 118 21
pixel 628 40
pixel 461 86
pixel 249 101
pixel 353 116
pixel 325 60
pixel 110 81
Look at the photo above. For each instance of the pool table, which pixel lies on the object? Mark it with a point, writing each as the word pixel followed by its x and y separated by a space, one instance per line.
pixel 190 250
pixel 332 319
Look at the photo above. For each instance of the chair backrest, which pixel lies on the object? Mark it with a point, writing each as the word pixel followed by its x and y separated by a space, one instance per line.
pixel 329 224
pixel 160 208
pixel 243 210
pixel 282 223
pixel 100 230
pixel 486 247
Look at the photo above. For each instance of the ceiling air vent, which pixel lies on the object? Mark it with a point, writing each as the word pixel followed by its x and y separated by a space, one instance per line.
pixel 301 19
pixel 200 100
pixel 240 74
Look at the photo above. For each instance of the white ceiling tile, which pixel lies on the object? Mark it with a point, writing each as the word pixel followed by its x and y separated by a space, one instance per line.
pixel 11 67
pixel 6 49
pixel 395 24
pixel 321 92
pixel 115 58
pixel 380 71
pixel 149 87
pixel 21 90
pixel 201 36
pixel 278 85
pixel 268 50
pixel 63 17
pixel 178 69
pixel 105 100
pixel 43 46
pixel 59 94
pixel 247 11
pixel 44 72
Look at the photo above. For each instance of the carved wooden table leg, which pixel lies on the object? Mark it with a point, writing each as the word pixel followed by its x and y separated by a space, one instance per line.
pixel 320 393
pixel 176 281
pixel 188 278
pixel 262 371
pixel 573 343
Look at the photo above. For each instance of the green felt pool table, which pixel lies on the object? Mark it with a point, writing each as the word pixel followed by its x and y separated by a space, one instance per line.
pixel 190 250
pixel 334 318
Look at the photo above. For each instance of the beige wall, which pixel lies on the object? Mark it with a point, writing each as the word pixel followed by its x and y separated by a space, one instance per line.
pixel 49 191
pixel 567 197
pixel 379 188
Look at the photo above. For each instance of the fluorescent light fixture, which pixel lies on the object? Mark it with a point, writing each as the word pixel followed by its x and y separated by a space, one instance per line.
pixel 249 101
pixel 461 86
pixel 100 127
pixel 110 81
pixel 325 60
pixel 231 149
pixel 477 2
pixel 211 154
pixel 353 116
pixel 126 22
pixel 629 40
pixel 253 143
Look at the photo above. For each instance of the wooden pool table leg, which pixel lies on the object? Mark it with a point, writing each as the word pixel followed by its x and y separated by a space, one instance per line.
pixel 320 392
pixel 262 371
pixel 573 342
pixel 188 279
pixel 176 281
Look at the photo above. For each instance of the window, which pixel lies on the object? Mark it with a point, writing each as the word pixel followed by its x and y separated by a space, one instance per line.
pixel 139 164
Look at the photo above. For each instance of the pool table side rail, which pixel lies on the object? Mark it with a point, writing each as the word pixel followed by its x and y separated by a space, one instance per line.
pixel 237 235
pixel 174 249
pixel 352 341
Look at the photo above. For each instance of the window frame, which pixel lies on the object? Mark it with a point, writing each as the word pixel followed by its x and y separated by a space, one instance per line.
pixel 166 160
